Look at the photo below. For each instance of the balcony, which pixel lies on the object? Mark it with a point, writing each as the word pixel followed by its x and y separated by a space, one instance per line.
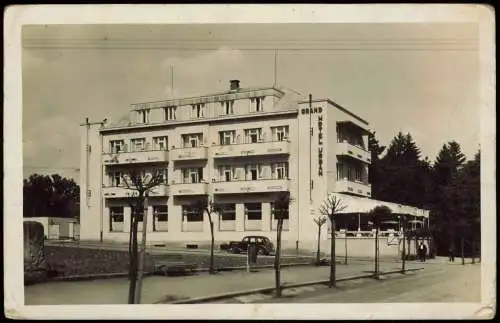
pixel 135 157
pixel 350 187
pixel 253 149
pixel 189 189
pixel 358 153
pixel 122 192
pixel 257 186
pixel 189 153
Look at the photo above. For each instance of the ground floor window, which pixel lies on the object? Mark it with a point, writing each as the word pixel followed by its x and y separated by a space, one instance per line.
pixel 253 216
pixel 284 213
pixel 227 217
pixel 116 219
pixel 160 217
pixel 192 219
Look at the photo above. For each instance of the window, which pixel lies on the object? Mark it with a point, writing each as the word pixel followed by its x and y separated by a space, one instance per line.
pixel 160 143
pixel 170 112
pixel 275 214
pixel 138 144
pixel 253 211
pixel 253 135
pixel 227 107
pixel 115 178
pixel 280 133
pixel 253 172
pixel 257 104
pixel 192 140
pixel 280 170
pixel 191 214
pixel 227 217
pixel 227 137
pixel 192 175
pixel 227 212
pixel 116 218
pixel 358 174
pixel 226 173
pixel 197 111
pixel 143 116
pixel 116 146
pixel 160 217
pixel 340 171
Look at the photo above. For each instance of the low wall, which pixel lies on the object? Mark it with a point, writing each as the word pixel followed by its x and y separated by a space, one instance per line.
pixel 356 246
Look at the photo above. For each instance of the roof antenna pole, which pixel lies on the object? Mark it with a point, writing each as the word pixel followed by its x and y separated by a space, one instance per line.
pixel 275 67
pixel 171 81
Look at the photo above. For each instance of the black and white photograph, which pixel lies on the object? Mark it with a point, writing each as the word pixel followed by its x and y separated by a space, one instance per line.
pixel 249 162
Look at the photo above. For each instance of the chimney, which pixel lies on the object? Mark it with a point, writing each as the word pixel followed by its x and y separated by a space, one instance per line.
pixel 234 85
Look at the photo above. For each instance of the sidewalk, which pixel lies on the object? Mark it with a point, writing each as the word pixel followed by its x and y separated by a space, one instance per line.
pixel 114 291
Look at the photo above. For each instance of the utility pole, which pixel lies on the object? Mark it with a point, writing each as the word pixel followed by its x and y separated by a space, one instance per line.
pixel 310 149
pixel 142 258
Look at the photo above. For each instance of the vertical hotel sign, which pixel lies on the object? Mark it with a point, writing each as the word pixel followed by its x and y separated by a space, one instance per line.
pixel 320 145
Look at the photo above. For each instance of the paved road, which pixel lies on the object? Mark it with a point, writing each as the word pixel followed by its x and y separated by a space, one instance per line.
pixel 114 291
pixel 436 283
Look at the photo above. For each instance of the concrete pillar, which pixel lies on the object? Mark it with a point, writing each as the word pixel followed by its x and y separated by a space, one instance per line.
pixel 266 216
pixel 106 220
pixel 127 217
pixel 240 217
pixel 174 218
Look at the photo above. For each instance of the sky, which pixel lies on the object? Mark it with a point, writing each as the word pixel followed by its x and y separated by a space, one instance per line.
pixel 416 78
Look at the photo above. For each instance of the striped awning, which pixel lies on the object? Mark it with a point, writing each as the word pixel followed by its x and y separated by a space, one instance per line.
pixel 358 204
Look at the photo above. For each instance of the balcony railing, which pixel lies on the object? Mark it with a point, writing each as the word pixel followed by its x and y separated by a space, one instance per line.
pixel 189 153
pixel 346 149
pixel 122 191
pixel 252 149
pixel 189 188
pixel 135 157
pixel 352 187
pixel 256 186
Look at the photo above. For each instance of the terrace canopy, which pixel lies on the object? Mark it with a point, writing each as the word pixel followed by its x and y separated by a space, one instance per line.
pixel 355 204
pixel 356 214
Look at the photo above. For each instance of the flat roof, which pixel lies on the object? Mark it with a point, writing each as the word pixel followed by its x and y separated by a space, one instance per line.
pixel 338 106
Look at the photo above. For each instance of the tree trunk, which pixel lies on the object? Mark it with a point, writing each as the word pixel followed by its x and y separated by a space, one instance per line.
pixel 473 251
pixel 133 264
pixel 403 253
pixel 333 263
pixel 318 250
pixel 277 257
pixel 212 242
pixel 345 247
pixel 142 258
pixel 462 249
pixel 376 253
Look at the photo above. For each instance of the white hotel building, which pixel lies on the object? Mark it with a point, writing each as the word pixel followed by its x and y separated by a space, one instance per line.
pixel 240 147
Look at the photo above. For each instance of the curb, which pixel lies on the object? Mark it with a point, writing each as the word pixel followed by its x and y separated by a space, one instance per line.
pixel 205 299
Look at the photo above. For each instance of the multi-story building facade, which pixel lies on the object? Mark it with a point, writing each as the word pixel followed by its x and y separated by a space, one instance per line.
pixel 239 148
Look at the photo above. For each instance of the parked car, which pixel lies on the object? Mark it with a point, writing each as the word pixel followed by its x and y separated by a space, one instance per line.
pixel 264 245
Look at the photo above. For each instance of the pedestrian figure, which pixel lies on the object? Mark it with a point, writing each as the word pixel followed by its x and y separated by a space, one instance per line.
pixel 421 252
pixel 451 252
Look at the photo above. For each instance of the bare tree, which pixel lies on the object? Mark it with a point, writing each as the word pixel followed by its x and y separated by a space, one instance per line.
pixel 281 205
pixel 319 222
pixel 403 218
pixel 208 207
pixel 141 185
pixel 378 213
pixel 330 207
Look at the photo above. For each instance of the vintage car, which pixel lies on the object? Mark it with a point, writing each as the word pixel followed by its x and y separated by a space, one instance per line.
pixel 264 245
